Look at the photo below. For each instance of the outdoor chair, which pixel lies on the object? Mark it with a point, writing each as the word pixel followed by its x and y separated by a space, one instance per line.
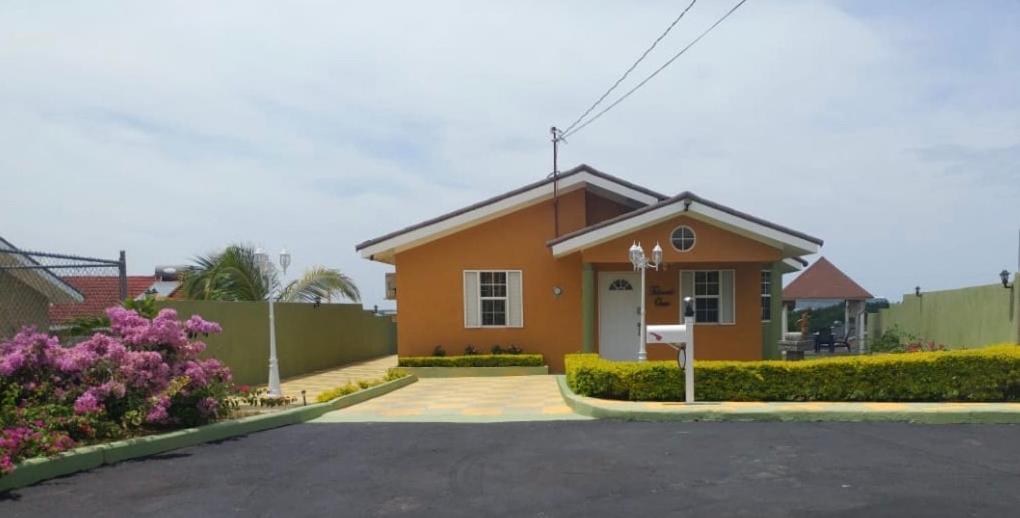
pixel 844 340
pixel 824 338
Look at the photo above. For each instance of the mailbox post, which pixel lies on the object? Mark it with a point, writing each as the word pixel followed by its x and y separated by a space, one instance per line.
pixel 681 338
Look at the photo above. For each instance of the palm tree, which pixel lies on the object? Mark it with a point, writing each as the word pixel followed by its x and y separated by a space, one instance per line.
pixel 320 283
pixel 234 275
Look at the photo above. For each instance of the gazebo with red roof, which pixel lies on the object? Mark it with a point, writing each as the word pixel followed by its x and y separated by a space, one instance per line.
pixel 823 281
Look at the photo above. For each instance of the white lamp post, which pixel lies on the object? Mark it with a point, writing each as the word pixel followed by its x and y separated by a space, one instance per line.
pixel 264 264
pixel 641 262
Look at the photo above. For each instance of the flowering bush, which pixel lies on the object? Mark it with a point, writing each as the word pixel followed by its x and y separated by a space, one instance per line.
pixel 141 374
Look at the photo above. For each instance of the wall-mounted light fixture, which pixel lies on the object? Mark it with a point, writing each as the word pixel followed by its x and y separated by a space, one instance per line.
pixel 917 291
pixel 557 291
pixel 1004 277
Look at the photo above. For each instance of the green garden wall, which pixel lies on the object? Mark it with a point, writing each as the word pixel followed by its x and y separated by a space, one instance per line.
pixel 308 338
pixel 965 317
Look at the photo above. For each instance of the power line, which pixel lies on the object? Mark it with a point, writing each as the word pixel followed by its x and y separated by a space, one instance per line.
pixel 631 69
pixel 660 69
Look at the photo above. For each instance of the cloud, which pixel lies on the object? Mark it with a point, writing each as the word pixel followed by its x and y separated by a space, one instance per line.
pixel 171 130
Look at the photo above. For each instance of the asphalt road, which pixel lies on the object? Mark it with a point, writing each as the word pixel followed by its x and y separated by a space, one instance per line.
pixel 597 468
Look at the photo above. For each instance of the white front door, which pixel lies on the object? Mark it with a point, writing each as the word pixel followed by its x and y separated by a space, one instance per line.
pixel 619 308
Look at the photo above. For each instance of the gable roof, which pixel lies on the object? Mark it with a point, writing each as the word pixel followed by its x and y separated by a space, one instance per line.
pixel 794 243
pixel 383 247
pixel 823 280
pixel 100 293
pixel 33 274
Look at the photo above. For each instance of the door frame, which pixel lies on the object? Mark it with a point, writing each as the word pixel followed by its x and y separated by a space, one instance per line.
pixel 604 276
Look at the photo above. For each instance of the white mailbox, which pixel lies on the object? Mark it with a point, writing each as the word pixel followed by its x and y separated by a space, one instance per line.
pixel 667 334
pixel 681 338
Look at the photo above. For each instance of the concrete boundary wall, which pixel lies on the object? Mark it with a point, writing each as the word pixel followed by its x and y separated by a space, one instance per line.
pixel 308 338
pixel 965 317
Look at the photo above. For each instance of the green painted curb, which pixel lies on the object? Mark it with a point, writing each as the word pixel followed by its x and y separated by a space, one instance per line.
pixel 85 458
pixel 468 372
pixel 592 407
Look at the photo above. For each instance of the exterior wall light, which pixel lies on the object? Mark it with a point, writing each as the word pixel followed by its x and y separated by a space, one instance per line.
pixel 557 291
pixel 917 291
pixel 1004 277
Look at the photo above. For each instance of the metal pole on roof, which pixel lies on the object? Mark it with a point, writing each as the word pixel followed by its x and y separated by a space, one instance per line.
pixel 557 136
pixel 122 273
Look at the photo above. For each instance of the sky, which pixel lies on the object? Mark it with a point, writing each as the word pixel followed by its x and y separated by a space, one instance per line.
pixel 889 129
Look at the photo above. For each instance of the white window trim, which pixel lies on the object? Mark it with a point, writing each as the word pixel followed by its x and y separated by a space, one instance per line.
pixel 507 325
pixel 763 295
pixel 694 237
pixel 733 295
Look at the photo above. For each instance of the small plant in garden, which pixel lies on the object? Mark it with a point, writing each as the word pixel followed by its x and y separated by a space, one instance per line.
pixel 470 350
pixel 497 349
pixel 921 346
pixel 140 375
pixel 513 349
pixel 352 387
pixel 260 397
pixel 439 351
pixel 395 374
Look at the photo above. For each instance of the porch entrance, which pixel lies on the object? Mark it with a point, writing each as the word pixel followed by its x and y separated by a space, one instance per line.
pixel 619 306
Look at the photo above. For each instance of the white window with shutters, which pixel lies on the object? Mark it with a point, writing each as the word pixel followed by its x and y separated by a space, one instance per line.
pixel 493 298
pixel 713 293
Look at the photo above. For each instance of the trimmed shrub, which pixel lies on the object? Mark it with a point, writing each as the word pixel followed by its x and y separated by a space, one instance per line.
pixel 474 360
pixel 352 387
pixel 987 374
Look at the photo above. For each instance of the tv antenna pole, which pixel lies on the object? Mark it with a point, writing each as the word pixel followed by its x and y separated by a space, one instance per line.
pixel 557 137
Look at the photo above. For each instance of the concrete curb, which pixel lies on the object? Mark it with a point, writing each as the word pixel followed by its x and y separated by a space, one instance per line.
pixel 468 372
pixel 922 413
pixel 85 458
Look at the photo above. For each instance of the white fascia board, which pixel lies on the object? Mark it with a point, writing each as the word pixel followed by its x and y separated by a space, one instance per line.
pixel 622 190
pixel 755 231
pixel 793 263
pixel 493 210
pixel 802 246
pixel 599 236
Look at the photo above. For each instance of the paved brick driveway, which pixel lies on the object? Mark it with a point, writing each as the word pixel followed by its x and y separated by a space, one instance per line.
pixel 321 381
pixel 494 399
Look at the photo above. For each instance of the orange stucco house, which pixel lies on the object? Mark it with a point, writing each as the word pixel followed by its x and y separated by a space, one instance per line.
pixel 546 268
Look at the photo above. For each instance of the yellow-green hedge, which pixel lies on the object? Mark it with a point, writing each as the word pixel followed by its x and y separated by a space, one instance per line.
pixel 474 360
pixel 987 374
pixel 352 387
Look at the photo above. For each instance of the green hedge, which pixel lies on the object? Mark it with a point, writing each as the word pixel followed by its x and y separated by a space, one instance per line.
pixel 474 360
pixel 987 374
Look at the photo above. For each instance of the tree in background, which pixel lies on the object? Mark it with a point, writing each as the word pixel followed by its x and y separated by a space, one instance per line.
pixel 234 275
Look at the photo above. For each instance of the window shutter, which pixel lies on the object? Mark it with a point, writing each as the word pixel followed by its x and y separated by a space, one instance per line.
pixel 515 299
pixel 726 297
pixel 472 318
pixel 686 288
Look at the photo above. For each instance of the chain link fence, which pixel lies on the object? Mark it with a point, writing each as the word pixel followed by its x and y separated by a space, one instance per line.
pixel 50 290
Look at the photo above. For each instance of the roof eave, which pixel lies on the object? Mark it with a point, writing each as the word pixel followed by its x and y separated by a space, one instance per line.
pixel 578 177
pixel 792 243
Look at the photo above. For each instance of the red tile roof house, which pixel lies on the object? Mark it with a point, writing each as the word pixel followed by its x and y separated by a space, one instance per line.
pixel 100 292
pixel 545 267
